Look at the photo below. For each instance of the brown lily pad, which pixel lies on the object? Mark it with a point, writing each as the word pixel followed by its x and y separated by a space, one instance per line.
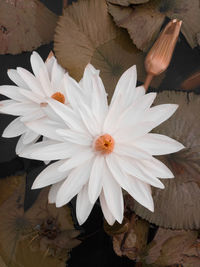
pixel 8 186
pixel 127 2
pixel 86 34
pixel 171 247
pixel 44 232
pixel 143 22
pixel 177 206
pixel 133 242
pixel 25 25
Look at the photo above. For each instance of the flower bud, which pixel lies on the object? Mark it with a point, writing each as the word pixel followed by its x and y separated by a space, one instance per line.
pixel 160 54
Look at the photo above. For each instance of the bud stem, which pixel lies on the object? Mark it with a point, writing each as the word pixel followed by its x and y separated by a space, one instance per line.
pixel 148 80
pixel 65 3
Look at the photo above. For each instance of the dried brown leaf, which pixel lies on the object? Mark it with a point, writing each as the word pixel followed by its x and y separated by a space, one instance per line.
pixel 43 230
pixel 8 186
pixel 143 22
pixel 127 2
pixel 86 33
pixel 24 25
pixel 132 242
pixel 28 258
pixel 192 82
pixel 177 205
pixel 171 247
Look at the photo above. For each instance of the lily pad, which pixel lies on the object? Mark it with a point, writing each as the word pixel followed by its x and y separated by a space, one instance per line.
pixel 171 247
pixel 44 232
pixel 144 21
pixel 133 242
pixel 8 185
pixel 86 33
pixel 25 25
pixel 127 2
pixel 177 206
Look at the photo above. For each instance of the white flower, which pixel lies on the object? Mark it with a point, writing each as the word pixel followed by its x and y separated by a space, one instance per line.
pixel 28 98
pixel 104 148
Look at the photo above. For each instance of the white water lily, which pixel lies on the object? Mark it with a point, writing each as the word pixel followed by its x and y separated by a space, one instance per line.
pixel 103 148
pixel 28 97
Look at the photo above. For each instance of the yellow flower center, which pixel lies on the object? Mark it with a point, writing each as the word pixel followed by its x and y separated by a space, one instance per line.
pixel 59 97
pixel 104 144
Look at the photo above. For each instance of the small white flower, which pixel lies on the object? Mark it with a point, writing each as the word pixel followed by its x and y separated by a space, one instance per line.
pixel 104 148
pixel 28 97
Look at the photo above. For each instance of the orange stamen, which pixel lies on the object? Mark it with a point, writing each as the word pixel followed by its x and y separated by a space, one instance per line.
pixel 59 97
pixel 104 144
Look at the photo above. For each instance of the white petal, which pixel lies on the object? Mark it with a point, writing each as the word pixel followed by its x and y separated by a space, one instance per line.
pixel 128 135
pixel 12 92
pixel 51 114
pixel 138 92
pixel 31 81
pixel 19 109
pixel 126 87
pixel 76 137
pixel 36 63
pixel 74 92
pixel 45 82
pixel 34 148
pixel 31 96
pixel 89 120
pixel 56 75
pixel 157 168
pixel 130 151
pixel 113 195
pixel 16 78
pixel 20 145
pixel 76 160
pixel 66 114
pixel 96 178
pixel 52 151
pixel 160 113
pixel 77 178
pixel 83 205
pixel 49 64
pixel 99 103
pixel 50 175
pixel 157 144
pixel 53 192
pixel 87 80
pixel 133 168
pixel 139 190
pixel 147 100
pixel 15 128
pixel 137 112
pixel 30 137
pixel 106 212
pixel 110 124
pixel 38 114
pixel 45 128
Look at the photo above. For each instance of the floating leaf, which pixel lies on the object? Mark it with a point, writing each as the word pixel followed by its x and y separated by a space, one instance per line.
pixel 127 2
pixel 171 247
pixel 133 242
pixel 130 237
pixel 2 263
pixel 86 33
pixel 177 206
pixel 26 257
pixel 192 82
pixel 24 25
pixel 8 186
pixel 43 230
pixel 143 22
